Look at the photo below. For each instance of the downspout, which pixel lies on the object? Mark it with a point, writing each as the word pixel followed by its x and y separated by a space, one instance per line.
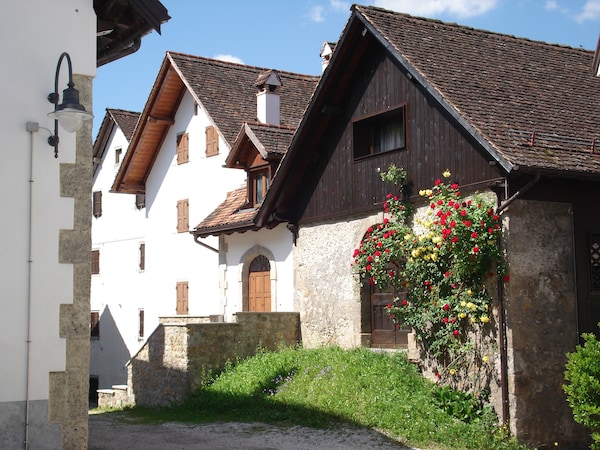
pixel 31 127
pixel 501 314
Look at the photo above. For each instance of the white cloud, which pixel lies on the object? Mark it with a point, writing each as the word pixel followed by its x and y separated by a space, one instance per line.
pixel 316 14
pixel 428 8
pixel 229 58
pixel 590 11
pixel 339 5
pixel 551 4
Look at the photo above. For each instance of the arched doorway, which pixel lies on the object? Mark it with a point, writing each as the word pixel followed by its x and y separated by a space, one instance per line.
pixel 259 285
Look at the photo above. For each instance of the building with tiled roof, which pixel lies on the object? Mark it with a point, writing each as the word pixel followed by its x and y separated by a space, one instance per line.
pixel 511 118
pixel 177 170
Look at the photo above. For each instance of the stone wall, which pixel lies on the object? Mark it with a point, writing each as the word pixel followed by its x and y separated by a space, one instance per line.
pixel 541 321
pixel 179 356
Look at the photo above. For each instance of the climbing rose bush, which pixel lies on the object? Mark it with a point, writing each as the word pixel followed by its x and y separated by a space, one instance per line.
pixel 437 265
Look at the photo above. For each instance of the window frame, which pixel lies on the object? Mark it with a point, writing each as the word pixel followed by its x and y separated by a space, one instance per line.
pixel 365 130
pixel 264 174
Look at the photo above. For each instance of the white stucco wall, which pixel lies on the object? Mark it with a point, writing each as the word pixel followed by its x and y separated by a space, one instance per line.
pixel 31 46
pixel 173 256
pixel 119 291
pixel 276 245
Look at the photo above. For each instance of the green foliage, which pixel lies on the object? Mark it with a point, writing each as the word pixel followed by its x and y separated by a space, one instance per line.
pixel 465 406
pixel 439 263
pixel 583 390
pixel 324 387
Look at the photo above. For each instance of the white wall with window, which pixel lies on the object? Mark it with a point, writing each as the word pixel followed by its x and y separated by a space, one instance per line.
pixel 118 289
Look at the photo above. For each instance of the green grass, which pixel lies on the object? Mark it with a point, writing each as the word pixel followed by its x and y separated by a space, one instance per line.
pixel 324 387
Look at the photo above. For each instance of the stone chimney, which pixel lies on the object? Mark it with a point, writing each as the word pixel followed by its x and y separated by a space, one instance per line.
pixel 326 52
pixel 267 98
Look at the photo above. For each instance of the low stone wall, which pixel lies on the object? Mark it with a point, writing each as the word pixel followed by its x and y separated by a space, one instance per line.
pixel 179 355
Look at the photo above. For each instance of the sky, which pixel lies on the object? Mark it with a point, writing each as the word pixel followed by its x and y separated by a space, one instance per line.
pixel 288 35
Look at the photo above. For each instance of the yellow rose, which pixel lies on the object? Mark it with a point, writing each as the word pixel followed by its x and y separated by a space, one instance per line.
pixel 473 319
pixel 469 292
pixel 434 256
pixel 422 192
pixel 452 371
pixel 429 192
pixel 485 359
pixel 462 315
pixel 446 173
pixel 484 319
pixel 463 303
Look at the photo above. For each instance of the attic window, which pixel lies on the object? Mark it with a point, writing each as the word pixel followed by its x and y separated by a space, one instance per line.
pixel 380 133
pixel 259 185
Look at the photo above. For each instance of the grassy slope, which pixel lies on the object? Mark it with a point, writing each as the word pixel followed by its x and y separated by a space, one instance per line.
pixel 323 387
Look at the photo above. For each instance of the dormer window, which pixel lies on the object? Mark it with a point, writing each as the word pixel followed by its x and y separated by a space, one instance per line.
pixel 259 186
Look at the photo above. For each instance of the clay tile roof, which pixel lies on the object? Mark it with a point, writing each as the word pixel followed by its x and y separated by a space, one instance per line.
pixel 125 120
pixel 229 215
pixel 505 87
pixel 228 91
pixel 274 139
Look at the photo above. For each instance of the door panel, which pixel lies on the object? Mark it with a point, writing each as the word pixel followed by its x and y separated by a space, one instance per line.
pixel 385 332
pixel 259 292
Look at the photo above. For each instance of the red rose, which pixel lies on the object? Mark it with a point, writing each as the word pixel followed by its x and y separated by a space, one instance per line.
pixel 506 278
pixel 437 182
pixel 454 186
pixel 456 333
pixel 446 307
pixel 404 302
pixel 474 235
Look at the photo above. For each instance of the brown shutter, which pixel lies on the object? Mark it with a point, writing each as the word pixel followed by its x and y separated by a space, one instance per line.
pixel 97 204
pixel 183 148
pixel 142 256
pixel 95 261
pixel 141 323
pixel 183 222
pixel 182 297
pixel 212 141
pixel 95 324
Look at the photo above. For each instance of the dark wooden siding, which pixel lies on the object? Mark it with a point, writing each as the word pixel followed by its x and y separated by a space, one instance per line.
pixel 434 143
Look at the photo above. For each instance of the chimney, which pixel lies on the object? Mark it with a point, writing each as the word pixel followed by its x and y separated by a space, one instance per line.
pixel 267 98
pixel 326 52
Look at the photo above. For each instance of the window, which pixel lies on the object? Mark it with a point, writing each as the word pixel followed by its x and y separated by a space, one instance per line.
pixel 142 256
pixel 97 204
pixel 140 201
pixel 182 297
pixel 260 184
pixel 183 220
pixel 95 262
pixel 118 153
pixel 140 323
pixel 212 141
pixel 380 133
pixel 183 148
pixel 95 325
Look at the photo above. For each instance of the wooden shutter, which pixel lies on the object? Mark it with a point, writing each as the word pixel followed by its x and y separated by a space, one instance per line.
pixel 97 204
pixel 95 262
pixel 141 323
pixel 183 148
pixel 95 324
pixel 183 220
pixel 182 297
pixel 143 256
pixel 212 141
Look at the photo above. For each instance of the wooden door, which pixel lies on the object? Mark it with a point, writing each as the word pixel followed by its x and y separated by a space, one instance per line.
pixel 259 285
pixel 385 333
pixel 259 292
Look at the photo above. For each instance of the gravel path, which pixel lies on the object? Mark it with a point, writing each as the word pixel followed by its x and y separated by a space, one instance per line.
pixel 109 431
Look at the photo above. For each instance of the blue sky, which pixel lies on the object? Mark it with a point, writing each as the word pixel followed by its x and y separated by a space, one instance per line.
pixel 288 34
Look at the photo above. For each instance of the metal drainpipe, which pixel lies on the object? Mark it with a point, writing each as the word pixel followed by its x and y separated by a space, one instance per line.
pixel 31 127
pixel 501 316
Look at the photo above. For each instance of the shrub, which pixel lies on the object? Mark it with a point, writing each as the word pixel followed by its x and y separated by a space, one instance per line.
pixel 583 390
